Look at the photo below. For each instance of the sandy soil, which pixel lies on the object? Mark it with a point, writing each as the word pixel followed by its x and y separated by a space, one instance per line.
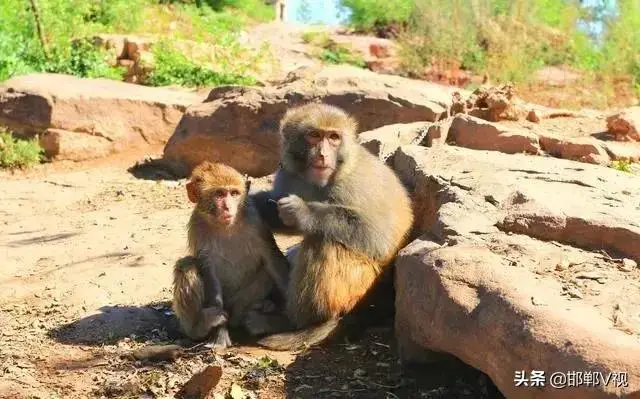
pixel 86 253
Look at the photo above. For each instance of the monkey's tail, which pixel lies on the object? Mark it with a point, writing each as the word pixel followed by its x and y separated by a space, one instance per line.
pixel 299 339
pixel 188 293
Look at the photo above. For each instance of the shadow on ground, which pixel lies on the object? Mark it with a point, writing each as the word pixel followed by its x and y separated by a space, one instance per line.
pixel 153 169
pixel 113 323
pixel 369 368
pixel 42 239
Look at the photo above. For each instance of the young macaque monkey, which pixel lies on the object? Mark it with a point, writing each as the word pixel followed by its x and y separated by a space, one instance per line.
pixel 235 263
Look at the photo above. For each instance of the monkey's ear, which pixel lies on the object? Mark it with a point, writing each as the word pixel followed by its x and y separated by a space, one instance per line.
pixel 192 192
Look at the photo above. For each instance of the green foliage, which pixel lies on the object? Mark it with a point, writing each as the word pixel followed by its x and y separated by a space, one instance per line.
pixel 172 67
pixel 66 22
pixel 367 14
pixel 63 20
pixel 509 39
pixel 17 153
pixel 332 52
pixel 621 50
pixel 341 55
pixel 622 166
pixel 266 362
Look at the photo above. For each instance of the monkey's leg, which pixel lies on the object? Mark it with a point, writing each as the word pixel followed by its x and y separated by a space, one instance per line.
pixel 188 300
pixel 240 303
pixel 258 322
pixel 212 286
pixel 220 336
pixel 329 279
pixel 277 266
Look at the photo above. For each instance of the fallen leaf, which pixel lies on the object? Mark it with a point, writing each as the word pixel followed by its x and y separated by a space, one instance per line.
pixel 200 385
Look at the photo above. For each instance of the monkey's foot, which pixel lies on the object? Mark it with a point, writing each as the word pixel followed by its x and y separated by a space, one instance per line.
pixel 221 339
pixel 264 306
pixel 258 323
pixel 214 317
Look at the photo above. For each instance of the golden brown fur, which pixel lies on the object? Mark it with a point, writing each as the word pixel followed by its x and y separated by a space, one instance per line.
pixel 188 301
pixel 352 227
pixel 241 260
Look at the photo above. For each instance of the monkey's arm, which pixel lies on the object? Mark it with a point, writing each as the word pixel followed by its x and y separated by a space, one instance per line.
pixel 344 224
pixel 267 208
pixel 278 268
pixel 212 285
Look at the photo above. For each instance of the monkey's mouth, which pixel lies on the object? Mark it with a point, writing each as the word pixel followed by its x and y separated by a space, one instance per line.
pixel 321 170
pixel 226 218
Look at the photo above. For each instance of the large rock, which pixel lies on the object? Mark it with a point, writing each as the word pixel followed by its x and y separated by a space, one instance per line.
pixel 519 269
pixel 471 132
pixel 625 125
pixel 111 114
pixel 239 126
pixel 384 141
pixel 581 149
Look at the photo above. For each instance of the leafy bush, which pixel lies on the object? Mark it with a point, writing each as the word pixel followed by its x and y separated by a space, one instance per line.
pixel 509 39
pixel 64 21
pixel 17 153
pixel 172 67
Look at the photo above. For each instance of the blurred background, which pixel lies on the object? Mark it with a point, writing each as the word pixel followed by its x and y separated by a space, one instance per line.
pixel 589 48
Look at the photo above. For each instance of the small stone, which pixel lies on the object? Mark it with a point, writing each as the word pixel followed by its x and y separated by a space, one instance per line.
pixel 563 265
pixel 591 275
pixel 628 265
pixel 359 373
pixel 537 301
pixel 574 293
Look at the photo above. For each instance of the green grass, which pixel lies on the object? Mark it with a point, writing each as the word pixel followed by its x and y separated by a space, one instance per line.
pixel 66 22
pixel 509 39
pixel 367 14
pixel 622 166
pixel 17 153
pixel 332 52
pixel 172 67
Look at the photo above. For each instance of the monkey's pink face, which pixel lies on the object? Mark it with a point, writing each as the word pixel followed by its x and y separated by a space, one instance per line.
pixel 226 203
pixel 323 155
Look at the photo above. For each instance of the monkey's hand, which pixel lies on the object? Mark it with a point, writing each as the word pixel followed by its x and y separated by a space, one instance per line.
pixel 294 212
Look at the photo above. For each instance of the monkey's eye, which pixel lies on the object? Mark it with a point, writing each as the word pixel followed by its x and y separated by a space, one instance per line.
pixel 219 193
pixel 314 134
pixel 334 137
pixel 235 193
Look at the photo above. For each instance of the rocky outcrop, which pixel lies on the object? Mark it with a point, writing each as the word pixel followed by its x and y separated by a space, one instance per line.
pixel 110 116
pixel 522 267
pixel 471 132
pixel 625 125
pixel 384 141
pixel 581 149
pixel 239 126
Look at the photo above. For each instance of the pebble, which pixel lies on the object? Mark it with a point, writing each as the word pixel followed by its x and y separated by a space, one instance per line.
pixel 562 265
pixel 359 373
pixel 628 265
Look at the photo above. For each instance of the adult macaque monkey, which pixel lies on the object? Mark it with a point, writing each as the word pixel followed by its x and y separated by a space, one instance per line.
pixel 351 209
pixel 235 262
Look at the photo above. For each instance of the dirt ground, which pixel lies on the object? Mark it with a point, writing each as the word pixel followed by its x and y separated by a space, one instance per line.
pixel 86 252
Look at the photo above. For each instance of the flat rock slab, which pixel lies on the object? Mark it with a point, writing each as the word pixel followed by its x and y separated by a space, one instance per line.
pixel 522 268
pixel 239 125
pixel 109 113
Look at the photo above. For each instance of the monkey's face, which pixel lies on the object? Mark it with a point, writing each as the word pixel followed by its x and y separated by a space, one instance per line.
pixel 224 205
pixel 322 156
